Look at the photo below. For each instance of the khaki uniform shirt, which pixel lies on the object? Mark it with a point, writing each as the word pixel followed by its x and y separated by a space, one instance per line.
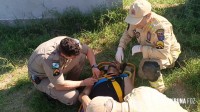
pixel 146 99
pixel 157 39
pixel 141 99
pixel 46 60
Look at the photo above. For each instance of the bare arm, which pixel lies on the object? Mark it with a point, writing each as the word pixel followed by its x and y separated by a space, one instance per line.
pixel 84 98
pixel 68 84
pixel 91 57
pixel 85 101
pixel 92 60
pixel 128 85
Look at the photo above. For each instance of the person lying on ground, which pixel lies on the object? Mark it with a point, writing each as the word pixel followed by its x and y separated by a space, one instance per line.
pixel 115 83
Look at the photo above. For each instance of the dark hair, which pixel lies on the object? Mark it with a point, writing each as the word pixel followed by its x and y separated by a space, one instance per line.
pixel 69 47
pixel 114 68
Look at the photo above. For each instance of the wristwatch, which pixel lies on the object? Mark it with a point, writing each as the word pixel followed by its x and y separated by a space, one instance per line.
pixel 94 66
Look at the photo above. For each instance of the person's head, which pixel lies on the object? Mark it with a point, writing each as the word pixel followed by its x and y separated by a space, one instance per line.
pixel 104 104
pixel 113 68
pixel 139 13
pixel 69 48
pixel 116 68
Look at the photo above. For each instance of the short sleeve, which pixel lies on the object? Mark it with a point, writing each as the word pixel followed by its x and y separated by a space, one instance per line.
pixel 84 48
pixel 53 71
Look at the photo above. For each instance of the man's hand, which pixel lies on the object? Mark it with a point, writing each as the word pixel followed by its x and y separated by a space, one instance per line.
pixel 89 81
pixel 136 49
pixel 96 72
pixel 119 55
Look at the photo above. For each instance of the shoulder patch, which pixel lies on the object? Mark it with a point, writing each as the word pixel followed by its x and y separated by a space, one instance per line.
pixel 160 45
pixel 56 72
pixel 55 67
pixel 160 34
pixel 148 37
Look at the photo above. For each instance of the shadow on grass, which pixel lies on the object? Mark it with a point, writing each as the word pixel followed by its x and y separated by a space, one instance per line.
pixel 17 43
pixel 184 83
pixel 40 102
pixel 23 97
pixel 12 98
pixel 5 65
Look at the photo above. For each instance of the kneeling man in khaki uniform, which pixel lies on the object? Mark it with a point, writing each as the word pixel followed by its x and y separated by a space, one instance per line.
pixel 55 66
pixel 156 42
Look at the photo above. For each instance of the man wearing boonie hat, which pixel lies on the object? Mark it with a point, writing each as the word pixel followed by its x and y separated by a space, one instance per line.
pixel 156 39
pixel 141 99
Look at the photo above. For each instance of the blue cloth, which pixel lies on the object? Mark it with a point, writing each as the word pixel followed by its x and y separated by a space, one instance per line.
pixel 106 79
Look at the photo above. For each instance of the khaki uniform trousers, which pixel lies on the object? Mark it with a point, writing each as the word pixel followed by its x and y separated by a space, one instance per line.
pixel 68 97
pixel 64 96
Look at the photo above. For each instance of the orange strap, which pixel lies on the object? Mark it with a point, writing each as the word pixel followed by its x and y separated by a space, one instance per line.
pixel 118 90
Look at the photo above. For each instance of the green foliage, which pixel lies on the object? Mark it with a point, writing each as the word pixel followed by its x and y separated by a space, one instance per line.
pixel 5 65
pixel 192 9
pixel 101 30
pixel 167 1
pixel 192 76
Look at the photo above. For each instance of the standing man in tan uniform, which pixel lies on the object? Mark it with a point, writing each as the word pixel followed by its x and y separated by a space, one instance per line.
pixel 55 67
pixel 156 39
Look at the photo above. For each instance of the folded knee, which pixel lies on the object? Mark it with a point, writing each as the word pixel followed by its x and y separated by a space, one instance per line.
pixel 70 98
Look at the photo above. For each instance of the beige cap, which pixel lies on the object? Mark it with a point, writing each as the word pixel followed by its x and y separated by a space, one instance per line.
pixel 103 104
pixel 137 11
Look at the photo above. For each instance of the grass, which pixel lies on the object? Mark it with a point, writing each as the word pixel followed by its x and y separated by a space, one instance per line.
pixel 101 30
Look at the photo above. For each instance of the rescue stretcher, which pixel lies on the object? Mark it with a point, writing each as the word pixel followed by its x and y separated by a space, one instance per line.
pixel 129 69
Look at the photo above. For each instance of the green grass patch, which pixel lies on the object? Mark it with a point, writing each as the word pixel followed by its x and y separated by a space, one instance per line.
pixel 101 30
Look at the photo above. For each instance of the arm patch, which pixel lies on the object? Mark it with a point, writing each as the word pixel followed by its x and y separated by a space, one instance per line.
pixel 55 67
pixel 160 34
